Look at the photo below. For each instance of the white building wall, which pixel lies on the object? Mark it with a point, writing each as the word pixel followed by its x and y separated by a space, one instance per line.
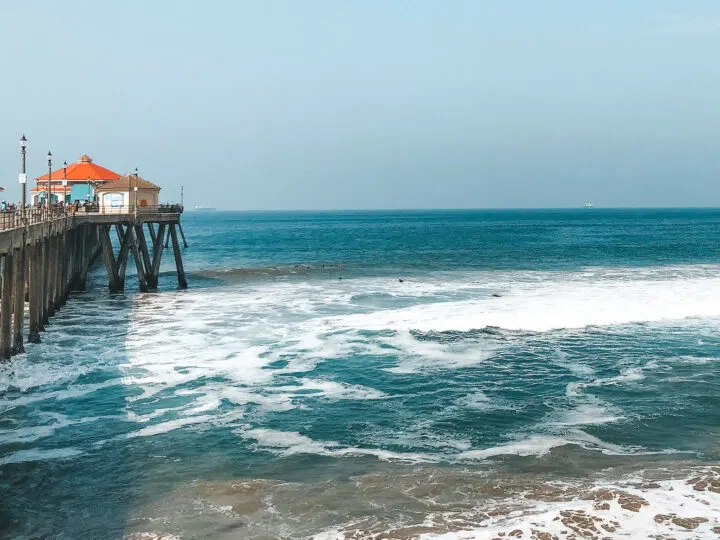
pixel 122 201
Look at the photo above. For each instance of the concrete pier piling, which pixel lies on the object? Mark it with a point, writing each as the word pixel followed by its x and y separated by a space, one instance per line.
pixel 45 260
pixel 182 283
pixel 34 292
pixel 18 301
pixel 6 304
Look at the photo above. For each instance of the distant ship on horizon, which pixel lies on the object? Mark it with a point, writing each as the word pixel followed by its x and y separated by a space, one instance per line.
pixel 201 208
pixel 588 205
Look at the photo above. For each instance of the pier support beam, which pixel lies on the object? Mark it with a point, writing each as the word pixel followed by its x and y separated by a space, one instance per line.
pixel 73 257
pixel 65 267
pixel 88 251
pixel 116 267
pixel 139 262
pixel 19 301
pixel 110 265
pixel 154 274
pixel 53 284
pixel 151 228
pixel 185 244
pixel 122 260
pixel 6 305
pixel 182 283
pixel 143 249
pixel 60 271
pixel 34 293
pixel 44 285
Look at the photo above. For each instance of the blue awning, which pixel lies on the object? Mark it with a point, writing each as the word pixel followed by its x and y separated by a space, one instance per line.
pixel 81 192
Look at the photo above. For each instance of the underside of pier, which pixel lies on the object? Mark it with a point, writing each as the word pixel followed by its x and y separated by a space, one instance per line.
pixel 43 260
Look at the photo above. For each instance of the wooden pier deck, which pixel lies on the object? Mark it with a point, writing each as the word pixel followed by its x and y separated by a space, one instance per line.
pixel 47 255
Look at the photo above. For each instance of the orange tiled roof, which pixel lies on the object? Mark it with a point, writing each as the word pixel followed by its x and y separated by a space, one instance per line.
pixel 83 169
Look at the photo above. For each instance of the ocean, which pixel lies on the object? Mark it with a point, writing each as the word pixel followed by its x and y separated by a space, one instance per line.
pixel 364 375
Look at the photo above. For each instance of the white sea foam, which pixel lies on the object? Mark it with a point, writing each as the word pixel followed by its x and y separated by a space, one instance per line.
pixel 330 390
pixel 695 360
pixel 646 504
pixel 575 367
pixel 288 443
pixel 563 300
pixel 479 401
pixel 23 375
pixel 271 314
pixel 585 414
pixel 170 425
pixel 538 445
pixel 671 508
pixel 627 375
pixel 258 345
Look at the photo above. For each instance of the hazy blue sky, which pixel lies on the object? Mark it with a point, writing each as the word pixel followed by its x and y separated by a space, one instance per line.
pixel 372 103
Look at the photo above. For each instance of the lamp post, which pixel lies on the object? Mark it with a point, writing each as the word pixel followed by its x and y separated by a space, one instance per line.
pixel 64 183
pixel 47 202
pixel 135 189
pixel 23 175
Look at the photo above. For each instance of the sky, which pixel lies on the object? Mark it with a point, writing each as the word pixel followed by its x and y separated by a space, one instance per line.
pixel 371 104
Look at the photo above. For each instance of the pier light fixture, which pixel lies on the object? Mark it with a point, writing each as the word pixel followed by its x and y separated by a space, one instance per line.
pixel 64 182
pixel 135 188
pixel 23 175
pixel 47 202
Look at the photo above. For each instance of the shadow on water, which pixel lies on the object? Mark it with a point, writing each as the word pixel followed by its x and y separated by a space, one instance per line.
pixel 74 461
pixel 61 404
pixel 69 464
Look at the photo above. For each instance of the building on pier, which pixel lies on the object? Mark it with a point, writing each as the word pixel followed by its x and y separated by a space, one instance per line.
pixel 82 178
pixel 127 192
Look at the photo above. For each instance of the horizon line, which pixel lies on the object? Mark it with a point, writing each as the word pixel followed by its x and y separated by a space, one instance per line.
pixel 458 209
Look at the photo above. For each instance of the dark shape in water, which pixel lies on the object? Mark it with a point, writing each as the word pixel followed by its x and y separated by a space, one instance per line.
pixel 267 271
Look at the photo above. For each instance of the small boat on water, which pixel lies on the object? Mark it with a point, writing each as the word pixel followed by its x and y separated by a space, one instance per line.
pixel 588 205
pixel 200 208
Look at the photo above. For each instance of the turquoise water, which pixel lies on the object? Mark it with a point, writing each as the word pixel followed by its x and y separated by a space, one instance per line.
pixel 369 374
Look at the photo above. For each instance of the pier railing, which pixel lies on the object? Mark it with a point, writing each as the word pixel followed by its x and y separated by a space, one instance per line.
pixel 147 209
pixel 13 219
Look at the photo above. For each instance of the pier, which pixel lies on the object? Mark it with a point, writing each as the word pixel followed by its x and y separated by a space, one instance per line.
pixel 46 254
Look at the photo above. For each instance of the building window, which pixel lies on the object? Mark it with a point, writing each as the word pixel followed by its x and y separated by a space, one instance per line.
pixel 114 200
